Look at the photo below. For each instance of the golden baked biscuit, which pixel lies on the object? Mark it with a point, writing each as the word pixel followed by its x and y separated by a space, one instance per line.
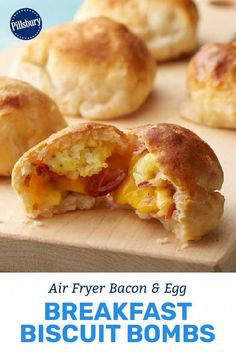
pixel 161 171
pixel 97 69
pixel 69 170
pixel 27 116
pixel 212 86
pixel 169 27
pixel 174 177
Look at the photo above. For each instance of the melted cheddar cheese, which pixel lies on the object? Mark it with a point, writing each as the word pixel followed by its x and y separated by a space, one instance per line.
pixel 64 184
pixel 48 190
pixel 71 171
pixel 143 189
pixel 140 199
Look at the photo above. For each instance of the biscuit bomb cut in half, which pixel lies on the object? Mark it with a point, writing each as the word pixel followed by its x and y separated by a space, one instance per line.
pixel 72 168
pixel 96 69
pixel 27 116
pixel 168 27
pixel 164 172
pixel 212 86
pixel 173 177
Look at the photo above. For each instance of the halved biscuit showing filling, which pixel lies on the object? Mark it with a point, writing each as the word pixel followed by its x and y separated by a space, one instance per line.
pixel 162 171
pixel 173 177
pixel 71 169
pixel 145 189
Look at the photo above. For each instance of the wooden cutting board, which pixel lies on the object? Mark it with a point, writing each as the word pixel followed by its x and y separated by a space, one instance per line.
pixel 103 240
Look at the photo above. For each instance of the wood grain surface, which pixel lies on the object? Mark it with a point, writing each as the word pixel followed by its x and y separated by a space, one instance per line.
pixel 104 240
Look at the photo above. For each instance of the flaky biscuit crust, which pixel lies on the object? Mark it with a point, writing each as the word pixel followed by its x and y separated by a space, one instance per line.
pixel 214 65
pixel 169 27
pixel 97 69
pixel 27 116
pixel 212 86
pixel 195 172
pixel 185 158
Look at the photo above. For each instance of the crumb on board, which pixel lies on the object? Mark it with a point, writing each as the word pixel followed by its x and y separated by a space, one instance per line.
pixel 182 247
pixel 26 221
pixel 162 241
pixel 38 223
pixel 1 222
pixel 33 223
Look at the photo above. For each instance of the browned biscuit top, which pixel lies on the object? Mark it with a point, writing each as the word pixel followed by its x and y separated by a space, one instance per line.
pixel 27 116
pixel 85 130
pixel 214 65
pixel 182 156
pixel 66 138
pixel 17 95
pixel 95 41
pixel 187 7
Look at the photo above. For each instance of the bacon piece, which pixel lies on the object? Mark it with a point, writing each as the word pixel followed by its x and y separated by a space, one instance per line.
pixel 144 184
pixel 104 182
pixel 27 180
pixel 42 169
pixel 171 210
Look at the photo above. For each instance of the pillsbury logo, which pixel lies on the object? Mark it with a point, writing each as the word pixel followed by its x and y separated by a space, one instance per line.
pixel 26 23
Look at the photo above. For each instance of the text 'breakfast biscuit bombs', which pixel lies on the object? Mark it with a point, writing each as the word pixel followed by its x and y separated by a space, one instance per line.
pixel 161 171
pixel 96 69
pixel 27 116
pixel 212 86
pixel 169 27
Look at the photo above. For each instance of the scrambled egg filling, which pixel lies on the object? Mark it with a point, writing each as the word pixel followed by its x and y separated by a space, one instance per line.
pixel 145 189
pixel 84 159
pixel 68 171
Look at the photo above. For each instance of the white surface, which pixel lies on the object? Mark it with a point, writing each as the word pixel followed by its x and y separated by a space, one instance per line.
pixel 23 300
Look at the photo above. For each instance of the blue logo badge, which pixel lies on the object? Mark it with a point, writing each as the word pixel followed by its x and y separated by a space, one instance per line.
pixel 26 23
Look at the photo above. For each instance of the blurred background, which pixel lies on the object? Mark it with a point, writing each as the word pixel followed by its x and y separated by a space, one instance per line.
pixel 58 11
pixel 51 11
